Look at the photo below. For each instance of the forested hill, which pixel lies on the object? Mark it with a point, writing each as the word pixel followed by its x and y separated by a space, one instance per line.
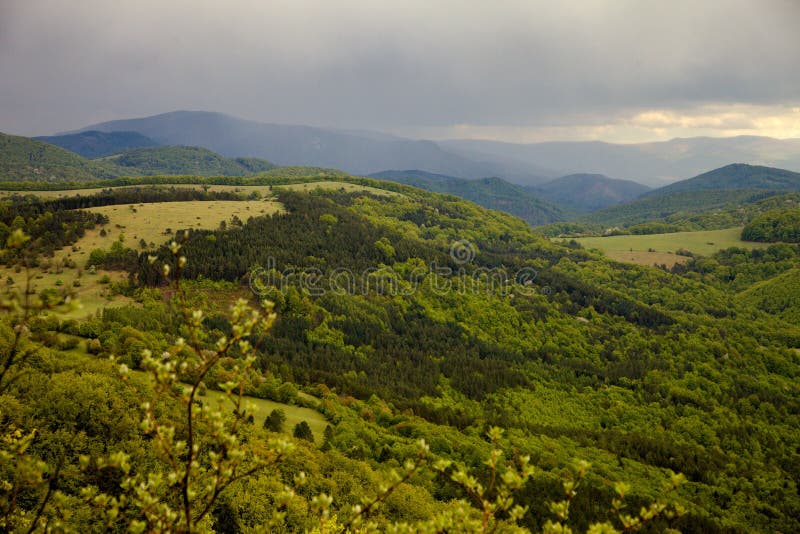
pixel 589 192
pixel 735 176
pixel 708 201
pixel 185 160
pixel 493 193
pixel 23 159
pixel 94 144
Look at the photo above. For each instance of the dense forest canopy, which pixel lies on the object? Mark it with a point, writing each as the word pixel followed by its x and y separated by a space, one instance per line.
pixel 774 226
pixel 409 315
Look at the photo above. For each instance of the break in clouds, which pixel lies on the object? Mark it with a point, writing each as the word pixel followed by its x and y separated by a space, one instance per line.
pixel 512 70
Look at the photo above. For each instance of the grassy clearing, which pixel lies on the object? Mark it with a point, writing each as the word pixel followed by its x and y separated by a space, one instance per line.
pixel 150 221
pixel 294 414
pixel 661 248
pixel 328 185
pixel 93 293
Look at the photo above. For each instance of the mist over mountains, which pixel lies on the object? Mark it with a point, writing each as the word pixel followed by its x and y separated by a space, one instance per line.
pixel 364 152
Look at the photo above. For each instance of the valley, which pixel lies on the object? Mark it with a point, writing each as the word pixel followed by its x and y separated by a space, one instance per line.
pixel 404 314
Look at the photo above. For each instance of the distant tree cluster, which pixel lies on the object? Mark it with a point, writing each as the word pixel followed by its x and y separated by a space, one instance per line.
pixel 774 226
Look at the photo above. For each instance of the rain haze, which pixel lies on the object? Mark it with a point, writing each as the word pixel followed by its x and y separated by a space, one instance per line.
pixel 513 71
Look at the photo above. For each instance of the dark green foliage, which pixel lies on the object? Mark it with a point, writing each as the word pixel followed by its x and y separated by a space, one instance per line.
pixel 275 420
pixel 95 144
pixel 28 160
pixel 24 159
pixel 676 208
pixel 589 192
pixel 303 431
pixel 492 193
pixel 185 160
pixel 735 176
pixel 774 226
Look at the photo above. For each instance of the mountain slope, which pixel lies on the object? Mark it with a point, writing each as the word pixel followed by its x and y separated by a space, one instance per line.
pixel 95 144
pixel 185 160
pixel 736 176
pixel 25 159
pixel 493 193
pixel 779 296
pixel 589 192
pixel 354 152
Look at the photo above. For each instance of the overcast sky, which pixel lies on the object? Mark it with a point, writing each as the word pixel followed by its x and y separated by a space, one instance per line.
pixel 510 70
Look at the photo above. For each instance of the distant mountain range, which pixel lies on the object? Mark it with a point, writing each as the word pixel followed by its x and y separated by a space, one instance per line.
pixel 95 144
pixel 589 192
pixel 358 153
pixel 362 153
pixel 493 193
pixel 653 164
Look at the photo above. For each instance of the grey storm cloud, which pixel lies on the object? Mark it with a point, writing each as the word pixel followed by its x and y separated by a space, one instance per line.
pixel 389 65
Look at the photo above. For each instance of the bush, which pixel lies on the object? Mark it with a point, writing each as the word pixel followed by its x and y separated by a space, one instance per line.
pixel 303 431
pixel 274 421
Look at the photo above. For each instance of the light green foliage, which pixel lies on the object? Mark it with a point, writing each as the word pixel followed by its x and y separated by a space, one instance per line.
pixel 774 226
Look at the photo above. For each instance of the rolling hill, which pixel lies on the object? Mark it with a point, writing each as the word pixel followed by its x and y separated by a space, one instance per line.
pixel 493 193
pixel 185 160
pixel 589 192
pixel 779 296
pixel 29 160
pixel 25 159
pixel 731 193
pixel 735 176
pixel 95 144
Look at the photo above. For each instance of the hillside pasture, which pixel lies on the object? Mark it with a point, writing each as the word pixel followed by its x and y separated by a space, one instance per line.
pixel 263 407
pixel 151 222
pixel 662 249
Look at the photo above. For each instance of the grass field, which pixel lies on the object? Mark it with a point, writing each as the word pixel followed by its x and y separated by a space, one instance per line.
pixel 294 414
pixel 150 221
pixel 263 190
pixel 93 293
pixel 661 248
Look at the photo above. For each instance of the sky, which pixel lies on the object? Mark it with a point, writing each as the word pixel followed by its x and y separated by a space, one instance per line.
pixel 519 71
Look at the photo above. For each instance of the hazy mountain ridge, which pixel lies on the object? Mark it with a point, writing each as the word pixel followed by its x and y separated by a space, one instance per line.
pixel 589 192
pixel 354 152
pixel 493 193
pixel 363 152
pixel 652 164
pixel 95 144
